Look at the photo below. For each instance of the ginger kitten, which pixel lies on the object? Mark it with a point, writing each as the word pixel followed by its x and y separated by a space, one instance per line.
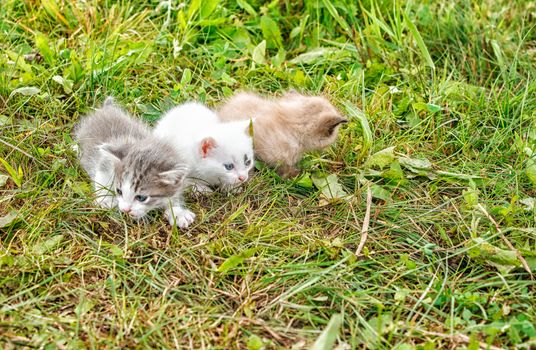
pixel 286 127
pixel 129 167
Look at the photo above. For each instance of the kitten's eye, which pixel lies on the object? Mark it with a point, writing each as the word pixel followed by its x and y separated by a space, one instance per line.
pixel 248 162
pixel 119 192
pixel 140 198
pixel 229 166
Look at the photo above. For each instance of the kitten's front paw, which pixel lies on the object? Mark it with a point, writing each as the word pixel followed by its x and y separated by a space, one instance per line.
pixel 235 190
pixel 180 217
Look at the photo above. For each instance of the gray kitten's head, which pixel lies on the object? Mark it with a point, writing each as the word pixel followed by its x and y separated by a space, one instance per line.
pixel 148 174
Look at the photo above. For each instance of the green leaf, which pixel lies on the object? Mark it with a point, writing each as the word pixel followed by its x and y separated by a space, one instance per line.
pixel 51 7
pixel 186 77
pixel 255 343
pixel 7 219
pixel 381 158
pixel 41 42
pixel 430 107
pixel 271 32
pixel 335 14
pixel 207 7
pixel 243 4
pixel 329 186
pixel 304 181
pixel 394 172
pixel 50 244
pixel 471 197
pixel 279 58
pixel 327 338
pixel 379 192
pixel 375 328
pixel 259 53
pixel 16 176
pixel 194 7
pixel 420 42
pixel 354 112
pixel 235 260
pixel 530 171
pixel 114 249
pixel 433 108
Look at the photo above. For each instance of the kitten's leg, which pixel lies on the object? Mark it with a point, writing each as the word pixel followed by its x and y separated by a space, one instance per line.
pixel 178 215
pixel 201 188
pixel 287 171
pixel 104 195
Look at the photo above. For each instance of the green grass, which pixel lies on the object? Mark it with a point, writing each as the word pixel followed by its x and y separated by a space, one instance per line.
pixel 450 82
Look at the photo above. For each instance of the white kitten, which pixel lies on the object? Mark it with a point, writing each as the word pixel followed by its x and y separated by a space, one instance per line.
pixel 218 154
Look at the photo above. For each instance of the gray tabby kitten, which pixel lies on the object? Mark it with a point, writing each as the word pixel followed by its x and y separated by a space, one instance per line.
pixel 129 167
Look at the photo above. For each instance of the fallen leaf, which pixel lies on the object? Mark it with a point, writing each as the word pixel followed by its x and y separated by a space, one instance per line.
pixel 530 171
pixel 83 306
pixel 6 220
pixel 529 203
pixel 313 55
pixel 381 158
pixel 458 176
pixel 379 192
pixel 415 165
pixel 26 91
pixel 330 186
pixel 504 260
pixel 3 180
pixel 326 340
pixel 43 247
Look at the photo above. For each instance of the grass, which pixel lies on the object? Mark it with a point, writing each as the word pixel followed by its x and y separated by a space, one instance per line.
pixel 452 83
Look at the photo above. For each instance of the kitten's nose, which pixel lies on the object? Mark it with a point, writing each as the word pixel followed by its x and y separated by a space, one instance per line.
pixel 126 209
pixel 241 178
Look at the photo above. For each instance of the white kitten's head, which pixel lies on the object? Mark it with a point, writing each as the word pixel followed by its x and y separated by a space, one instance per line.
pixel 147 175
pixel 225 157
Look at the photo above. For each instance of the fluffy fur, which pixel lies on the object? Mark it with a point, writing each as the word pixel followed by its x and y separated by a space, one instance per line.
pixel 129 167
pixel 287 127
pixel 218 154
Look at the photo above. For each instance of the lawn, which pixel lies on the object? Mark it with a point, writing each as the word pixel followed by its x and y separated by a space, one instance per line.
pixel 416 230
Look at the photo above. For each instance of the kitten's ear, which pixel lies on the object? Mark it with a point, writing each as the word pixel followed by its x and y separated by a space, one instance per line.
pixel 173 177
pixel 109 101
pixel 330 124
pixel 113 152
pixel 207 144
